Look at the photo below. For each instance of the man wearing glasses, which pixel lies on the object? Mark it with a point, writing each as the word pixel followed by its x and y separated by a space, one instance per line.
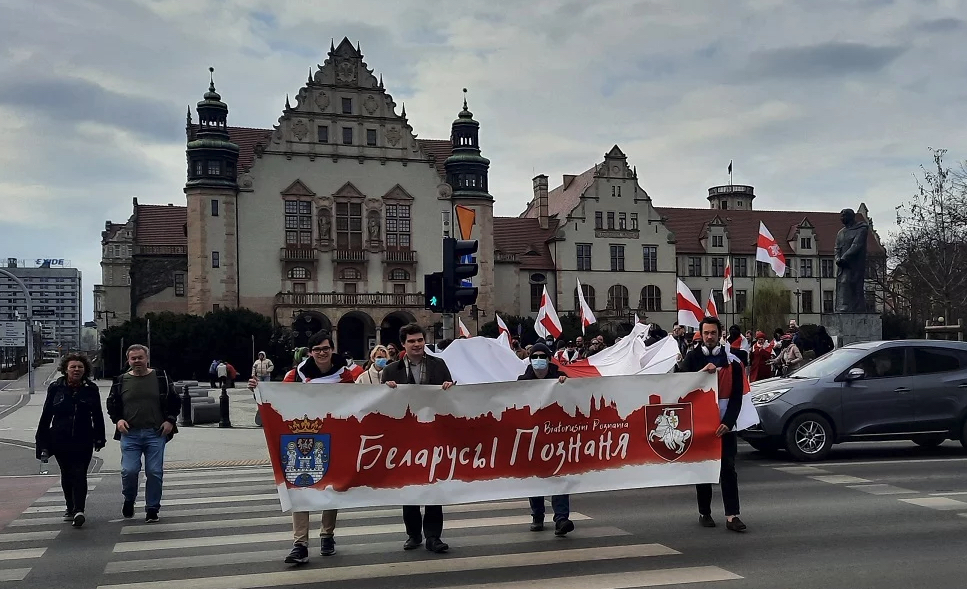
pixel 541 368
pixel 323 365
pixel 418 368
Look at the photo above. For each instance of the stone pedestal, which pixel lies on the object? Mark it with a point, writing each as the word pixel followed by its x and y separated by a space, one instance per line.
pixel 849 328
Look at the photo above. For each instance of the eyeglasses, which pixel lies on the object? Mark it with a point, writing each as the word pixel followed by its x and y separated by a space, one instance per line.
pixel 322 349
pixel 539 356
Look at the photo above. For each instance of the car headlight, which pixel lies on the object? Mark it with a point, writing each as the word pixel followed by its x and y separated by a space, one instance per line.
pixel 768 396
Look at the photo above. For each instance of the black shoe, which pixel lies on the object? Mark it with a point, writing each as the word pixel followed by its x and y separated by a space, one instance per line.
pixel 563 527
pixel 68 516
pixel 412 543
pixel 437 545
pixel 735 524
pixel 537 525
pixel 328 547
pixel 299 555
pixel 706 521
pixel 151 516
pixel 78 519
pixel 127 510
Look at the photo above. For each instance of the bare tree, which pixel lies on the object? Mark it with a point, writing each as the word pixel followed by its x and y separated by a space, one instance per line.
pixel 930 244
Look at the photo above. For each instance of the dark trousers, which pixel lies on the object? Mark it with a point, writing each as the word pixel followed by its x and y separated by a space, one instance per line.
pixel 727 479
pixel 429 525
pixel 561 504
pixel 73 477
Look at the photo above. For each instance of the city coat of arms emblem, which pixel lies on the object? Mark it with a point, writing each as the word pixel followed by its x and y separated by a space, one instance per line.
pixel 669 429
pixel 305 453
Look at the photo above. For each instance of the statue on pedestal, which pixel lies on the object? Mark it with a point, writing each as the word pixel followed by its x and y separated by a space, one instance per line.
pixel 850 260
pixel 374 226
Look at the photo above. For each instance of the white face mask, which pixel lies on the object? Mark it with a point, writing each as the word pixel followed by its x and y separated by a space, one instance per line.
pixel 539 363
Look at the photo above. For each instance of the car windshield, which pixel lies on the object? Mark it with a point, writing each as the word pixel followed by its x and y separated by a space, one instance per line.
pixel 830 364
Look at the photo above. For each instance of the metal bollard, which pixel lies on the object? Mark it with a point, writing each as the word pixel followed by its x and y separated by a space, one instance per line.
pixel 223 407
pixel 186 419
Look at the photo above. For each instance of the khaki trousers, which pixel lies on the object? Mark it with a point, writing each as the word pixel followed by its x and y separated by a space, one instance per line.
pixel 300 525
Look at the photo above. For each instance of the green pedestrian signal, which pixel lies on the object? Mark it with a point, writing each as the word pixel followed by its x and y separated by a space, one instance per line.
pixel 433 301
pixel 433 292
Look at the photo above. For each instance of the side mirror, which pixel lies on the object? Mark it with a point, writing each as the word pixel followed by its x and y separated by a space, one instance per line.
pixel 855 374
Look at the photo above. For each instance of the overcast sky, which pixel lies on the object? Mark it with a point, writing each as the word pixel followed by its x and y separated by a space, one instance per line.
pixel 821 104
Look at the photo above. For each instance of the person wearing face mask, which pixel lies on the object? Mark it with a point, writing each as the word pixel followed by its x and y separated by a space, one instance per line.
pixel 378 358
pixel 71 428
pixel 541 368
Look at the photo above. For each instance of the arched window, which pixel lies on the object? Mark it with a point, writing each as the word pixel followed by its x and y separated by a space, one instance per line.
pixel 618 298
pixel 350 274
pixel 299 273
pixel 650 298
pixel 399 274
pixel 588 291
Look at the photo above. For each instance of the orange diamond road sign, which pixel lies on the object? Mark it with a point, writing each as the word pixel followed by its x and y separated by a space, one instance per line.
pixel 465 219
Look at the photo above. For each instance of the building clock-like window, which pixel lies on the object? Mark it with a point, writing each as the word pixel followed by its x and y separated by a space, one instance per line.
pixel 298 223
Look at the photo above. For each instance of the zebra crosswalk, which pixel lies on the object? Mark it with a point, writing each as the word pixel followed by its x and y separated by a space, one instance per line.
pixel 223 530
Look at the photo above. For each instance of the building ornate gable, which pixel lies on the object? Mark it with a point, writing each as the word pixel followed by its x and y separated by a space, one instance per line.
pixel 398 194
pixel 298 189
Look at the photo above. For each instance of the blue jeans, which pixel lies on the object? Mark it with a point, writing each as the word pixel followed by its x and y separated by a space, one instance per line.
pixel 266 378
pixel 151 444
pixel 560 503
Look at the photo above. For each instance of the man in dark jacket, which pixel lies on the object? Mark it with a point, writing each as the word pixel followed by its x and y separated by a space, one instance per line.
pixel 144 406
pixel 541 368
pixel 712 357
pixel 417 368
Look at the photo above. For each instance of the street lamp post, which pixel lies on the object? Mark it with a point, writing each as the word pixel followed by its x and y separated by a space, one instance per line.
pixel 30 329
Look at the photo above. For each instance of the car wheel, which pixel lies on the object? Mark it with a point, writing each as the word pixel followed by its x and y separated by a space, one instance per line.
pixel 809 437
pixel 928 440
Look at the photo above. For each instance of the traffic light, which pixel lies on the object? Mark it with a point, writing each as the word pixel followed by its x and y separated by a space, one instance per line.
pixel 458 269
pixel 433 292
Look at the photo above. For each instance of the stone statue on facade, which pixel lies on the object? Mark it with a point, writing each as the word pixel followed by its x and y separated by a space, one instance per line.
pixel 325 224
pixel 850 259
pixel 373 225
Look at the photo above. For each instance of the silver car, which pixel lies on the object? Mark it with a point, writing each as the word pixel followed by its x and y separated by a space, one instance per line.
pixel 887 390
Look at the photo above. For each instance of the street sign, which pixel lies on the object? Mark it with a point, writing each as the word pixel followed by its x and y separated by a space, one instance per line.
pixel 13 334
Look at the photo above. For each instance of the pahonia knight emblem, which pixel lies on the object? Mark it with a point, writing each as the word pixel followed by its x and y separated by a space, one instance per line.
pixel 669 429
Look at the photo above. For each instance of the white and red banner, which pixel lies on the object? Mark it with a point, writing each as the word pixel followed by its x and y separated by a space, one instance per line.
pixel 464 332
pixel 335 447
pixel 584 311
pixel 727 282
pixel 547 323
pixel 502 328
pixel 711 310
pixel 768 251
pixel 690 313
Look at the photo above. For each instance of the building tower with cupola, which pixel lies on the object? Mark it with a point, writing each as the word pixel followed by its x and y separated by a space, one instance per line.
pixel 211 191
pixel 731 196
pixel 466 173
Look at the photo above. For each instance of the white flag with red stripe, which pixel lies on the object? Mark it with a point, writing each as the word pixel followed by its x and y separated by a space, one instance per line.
pixel 585 312
pixel 502 327
pixel 464 332
pixel 711 310
pixel 768 251
pixel 629 356
pixel 548 323
pixel 727 282
pixel 637 321
pixel 690 313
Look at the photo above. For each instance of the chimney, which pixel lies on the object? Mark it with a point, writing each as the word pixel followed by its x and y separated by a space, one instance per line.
pixel 540 197
pixel 568 178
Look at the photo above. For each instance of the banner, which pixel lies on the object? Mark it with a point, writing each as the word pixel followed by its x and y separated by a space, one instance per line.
pixel 341 446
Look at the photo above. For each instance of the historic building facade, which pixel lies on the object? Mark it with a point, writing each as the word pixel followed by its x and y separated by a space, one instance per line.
pixel 331 218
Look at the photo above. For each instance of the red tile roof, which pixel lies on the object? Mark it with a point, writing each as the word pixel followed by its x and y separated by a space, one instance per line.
pixel 525 239
pixel 160 225
pixel 438 150
pixel 690 225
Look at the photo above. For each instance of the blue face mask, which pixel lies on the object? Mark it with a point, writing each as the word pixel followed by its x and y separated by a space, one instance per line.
pixel 381 363
pixel 539 363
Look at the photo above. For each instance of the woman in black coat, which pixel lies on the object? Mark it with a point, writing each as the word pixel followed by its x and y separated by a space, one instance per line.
pixel 71 427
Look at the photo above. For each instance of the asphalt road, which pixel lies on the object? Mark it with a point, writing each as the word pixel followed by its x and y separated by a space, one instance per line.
pixel 874 515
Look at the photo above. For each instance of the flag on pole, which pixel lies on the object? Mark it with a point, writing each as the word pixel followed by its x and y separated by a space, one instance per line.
pixel 464 332
pixel 585 312
pixel 727 282
pixel 502 328
pixel 548 323
pixel 637 321
pixel 768 251
pixel 711 309
pixel 730 166
pixel 690 313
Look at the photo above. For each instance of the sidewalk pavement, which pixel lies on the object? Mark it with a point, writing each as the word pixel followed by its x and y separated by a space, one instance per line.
pixel 192 447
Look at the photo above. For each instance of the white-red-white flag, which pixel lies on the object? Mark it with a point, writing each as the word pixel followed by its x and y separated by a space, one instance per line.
pixel 502 328
pixel 768 251
pixel 711 310
pixel 548 323
pixel 464 332
pixel 637 321
pixel 727 282
pixel 585 312
pixel 690 313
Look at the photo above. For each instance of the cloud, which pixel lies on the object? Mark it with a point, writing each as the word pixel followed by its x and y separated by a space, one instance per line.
pixel 821 61
pixel 942 25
